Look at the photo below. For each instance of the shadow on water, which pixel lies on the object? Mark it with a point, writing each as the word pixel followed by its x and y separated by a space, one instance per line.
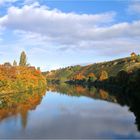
pixel 132 100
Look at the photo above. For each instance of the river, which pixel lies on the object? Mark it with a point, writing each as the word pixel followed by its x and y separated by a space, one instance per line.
pixel 67 112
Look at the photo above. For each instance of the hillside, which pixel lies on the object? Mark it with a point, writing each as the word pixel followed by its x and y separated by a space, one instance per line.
pixel 111 68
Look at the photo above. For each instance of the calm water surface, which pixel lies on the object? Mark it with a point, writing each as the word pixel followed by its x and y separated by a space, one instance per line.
pixel 66 113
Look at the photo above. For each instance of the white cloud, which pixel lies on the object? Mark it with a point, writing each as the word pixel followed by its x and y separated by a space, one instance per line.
pixel 42 29
pixel 54 24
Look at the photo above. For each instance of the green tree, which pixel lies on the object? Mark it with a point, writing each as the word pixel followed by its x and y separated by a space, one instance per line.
pixel 38 68
pixel 138 58
pixel 14 63
pixel 23 59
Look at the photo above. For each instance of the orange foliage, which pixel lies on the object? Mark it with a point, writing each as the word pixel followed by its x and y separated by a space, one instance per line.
pixel 80 89
pixel 79 77
pixel 103 94
pixel 20 78
pixel 11 106
pixel 103 75
pixel 91 75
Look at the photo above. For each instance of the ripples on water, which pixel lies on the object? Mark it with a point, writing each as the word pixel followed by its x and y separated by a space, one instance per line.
pixel 67 112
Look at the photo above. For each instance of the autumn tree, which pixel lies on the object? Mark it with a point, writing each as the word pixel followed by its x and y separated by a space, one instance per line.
pixel 91 77
pixel 23 59
pixel 79 77
pixel 103 75
pixel 14 63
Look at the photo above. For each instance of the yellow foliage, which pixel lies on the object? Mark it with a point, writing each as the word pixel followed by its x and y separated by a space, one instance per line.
pixel 19 78
pixel 79 77
pixel 103 75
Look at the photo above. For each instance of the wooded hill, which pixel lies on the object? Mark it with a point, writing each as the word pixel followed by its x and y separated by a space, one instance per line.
pixel 96 70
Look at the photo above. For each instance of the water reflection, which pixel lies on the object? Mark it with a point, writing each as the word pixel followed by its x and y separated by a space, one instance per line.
pixel 132 100
pixel 19 104
pixel 69 112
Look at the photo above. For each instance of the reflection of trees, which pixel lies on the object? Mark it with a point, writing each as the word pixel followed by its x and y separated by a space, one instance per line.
pixel 24 117
pixel 132 100
pixel 72 90
pixel 20 103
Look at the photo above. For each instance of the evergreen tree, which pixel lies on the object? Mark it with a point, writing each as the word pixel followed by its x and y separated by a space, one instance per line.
pixel 38 68
pixel 138 58
pixel 14 63
pixel 23 59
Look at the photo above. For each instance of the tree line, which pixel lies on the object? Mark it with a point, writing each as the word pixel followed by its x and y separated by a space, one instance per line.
pixel 127 79
pixel 19 78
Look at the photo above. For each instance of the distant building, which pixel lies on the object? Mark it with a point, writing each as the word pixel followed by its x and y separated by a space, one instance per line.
pixel 32 68
pixel 133 54
pixel 133 57
pixel 7 65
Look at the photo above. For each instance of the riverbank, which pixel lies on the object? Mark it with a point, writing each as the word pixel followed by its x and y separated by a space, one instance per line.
pixel 123 81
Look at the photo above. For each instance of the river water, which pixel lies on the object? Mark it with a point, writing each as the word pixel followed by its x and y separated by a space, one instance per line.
pixel 66 112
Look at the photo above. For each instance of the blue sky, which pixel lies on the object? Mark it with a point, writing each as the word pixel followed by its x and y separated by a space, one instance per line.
pixel 59 33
